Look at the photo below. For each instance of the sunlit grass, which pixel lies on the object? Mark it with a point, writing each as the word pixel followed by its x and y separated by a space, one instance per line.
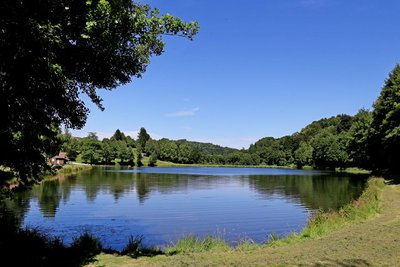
pixel 193 243
pixel 354 170
pixel 74 168
pixel 321 223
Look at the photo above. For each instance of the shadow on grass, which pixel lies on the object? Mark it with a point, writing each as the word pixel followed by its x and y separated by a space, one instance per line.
pixel 344 263
pixel 135 248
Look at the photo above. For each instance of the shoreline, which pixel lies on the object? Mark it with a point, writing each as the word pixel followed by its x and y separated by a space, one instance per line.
pixel 210 251
pixel 166 164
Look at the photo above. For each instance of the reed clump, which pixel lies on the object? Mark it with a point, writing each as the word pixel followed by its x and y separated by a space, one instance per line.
pixel 193 243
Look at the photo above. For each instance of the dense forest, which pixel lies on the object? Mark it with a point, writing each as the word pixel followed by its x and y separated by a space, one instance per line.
pixel 369 140
pixel 125 150
pixel 327 143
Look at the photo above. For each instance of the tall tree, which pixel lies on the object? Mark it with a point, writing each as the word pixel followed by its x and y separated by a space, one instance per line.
pixel 139 158
pixel 109 150
pixel 358 141
pixel 91 149
pixel 118 136
pixel 143 137
pixel 303 155
pixel 53 51
pixel 328 150
pixel 384 142
pixel 152 160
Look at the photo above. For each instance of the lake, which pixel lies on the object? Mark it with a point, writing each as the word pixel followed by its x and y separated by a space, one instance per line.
pixel 165 204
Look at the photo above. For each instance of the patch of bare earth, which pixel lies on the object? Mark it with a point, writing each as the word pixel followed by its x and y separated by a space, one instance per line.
pixel 374 242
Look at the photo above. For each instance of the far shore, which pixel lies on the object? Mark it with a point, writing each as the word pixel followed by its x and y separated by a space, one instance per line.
pixel 351 170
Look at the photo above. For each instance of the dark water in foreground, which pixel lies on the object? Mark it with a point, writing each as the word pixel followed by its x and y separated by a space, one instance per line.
pixel 164 204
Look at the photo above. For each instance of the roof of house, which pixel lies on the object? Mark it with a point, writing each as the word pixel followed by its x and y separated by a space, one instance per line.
pixel 61 155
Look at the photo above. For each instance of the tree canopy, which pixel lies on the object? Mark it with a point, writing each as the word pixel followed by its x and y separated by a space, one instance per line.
pixel 143 137
pixel 384 139
pixel 51 52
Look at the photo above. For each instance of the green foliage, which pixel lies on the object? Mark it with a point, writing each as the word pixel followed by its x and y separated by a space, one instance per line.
pixel 91 149
pixel 125 154
pixel 303 155
pixel 71 146
pixel 152 160
pixel 53 51
pixel 110 150
pixel 358 141
pixel 384 142
pixel 152 147
pixel 168 150
pixel 135 248
pixel 143 137
pixel 139 158
pixel 208 148
pixel 270 151
pixel 321 144
pixel 328 150
pixel 86 245
pixel 118 136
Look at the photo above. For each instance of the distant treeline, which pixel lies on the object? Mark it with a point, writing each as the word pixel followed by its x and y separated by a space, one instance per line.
pixel 128 151
pixel 327 143
pixel 369 139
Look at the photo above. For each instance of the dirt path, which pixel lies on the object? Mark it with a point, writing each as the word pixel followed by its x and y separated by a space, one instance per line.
pixel 375 242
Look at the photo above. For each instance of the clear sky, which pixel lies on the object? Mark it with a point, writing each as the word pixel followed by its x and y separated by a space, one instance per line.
pixel 257 68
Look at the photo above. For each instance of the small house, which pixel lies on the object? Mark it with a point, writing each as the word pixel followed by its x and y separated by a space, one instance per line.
pixel 60 160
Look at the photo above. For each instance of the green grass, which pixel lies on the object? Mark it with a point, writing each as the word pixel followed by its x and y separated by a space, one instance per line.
pixel 66 171
pixel 247 245
pixel 354 170
pixel 193 243
pixel 135 248
pixel 321 223
pixel 74 168
pixel 161 163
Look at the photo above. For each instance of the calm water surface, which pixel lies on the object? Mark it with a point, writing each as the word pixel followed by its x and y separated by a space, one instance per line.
pixel 164 204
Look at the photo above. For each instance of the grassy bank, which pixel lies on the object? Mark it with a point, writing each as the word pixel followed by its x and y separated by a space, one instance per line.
pixel 10 181
pixel 321 223
pixel 67 171
pixel 74 168
pixel 350 170
pixel 171 164
pixel 353 170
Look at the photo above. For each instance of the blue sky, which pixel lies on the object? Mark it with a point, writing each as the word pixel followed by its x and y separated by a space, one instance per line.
pixel 257 68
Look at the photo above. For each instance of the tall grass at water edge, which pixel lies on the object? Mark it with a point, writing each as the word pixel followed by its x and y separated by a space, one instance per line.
pixel 74 168
pixel 193 243
pixel 321 223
